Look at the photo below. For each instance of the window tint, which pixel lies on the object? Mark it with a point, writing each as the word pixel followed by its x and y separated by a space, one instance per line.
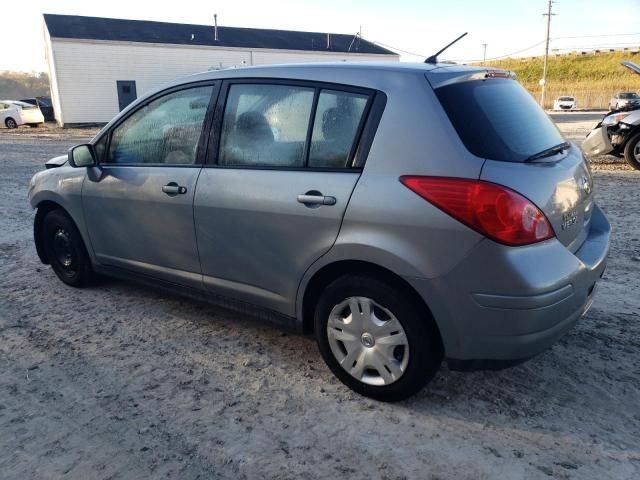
pixel 334 128
pixel 167 130
pixel 265 125
pixel 497 119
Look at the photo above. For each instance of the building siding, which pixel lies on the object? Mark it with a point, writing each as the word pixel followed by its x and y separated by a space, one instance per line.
pixel 85 72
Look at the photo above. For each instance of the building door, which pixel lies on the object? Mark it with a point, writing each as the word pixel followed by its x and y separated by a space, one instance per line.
pixel 126 92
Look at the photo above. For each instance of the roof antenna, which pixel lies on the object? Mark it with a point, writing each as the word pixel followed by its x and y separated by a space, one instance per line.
pixel 355 37
pixel 434 58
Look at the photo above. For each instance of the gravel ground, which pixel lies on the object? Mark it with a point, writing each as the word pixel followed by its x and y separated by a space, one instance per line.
pixel 122 382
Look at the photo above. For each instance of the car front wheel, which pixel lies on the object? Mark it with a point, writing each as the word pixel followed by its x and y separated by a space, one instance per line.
pixel 10 123
pixel 632 151
pixel 375 338
pixel 65 250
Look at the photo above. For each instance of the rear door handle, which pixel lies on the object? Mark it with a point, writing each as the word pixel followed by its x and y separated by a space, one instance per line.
pixel 312 198
pixel 173 188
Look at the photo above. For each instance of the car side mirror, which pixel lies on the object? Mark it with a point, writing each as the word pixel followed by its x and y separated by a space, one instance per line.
pixel 82 156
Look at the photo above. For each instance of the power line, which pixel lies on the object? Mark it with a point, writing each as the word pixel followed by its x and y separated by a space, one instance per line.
pixel 600 35
pixel 521 50
pixel 503 56
pixel 400 50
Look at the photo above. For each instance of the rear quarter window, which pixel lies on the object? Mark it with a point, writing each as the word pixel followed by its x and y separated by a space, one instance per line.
pixel 498 119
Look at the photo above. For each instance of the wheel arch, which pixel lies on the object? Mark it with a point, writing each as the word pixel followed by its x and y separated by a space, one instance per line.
pixel 328 273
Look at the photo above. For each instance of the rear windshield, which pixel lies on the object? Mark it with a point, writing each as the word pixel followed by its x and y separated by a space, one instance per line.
pixel 497 119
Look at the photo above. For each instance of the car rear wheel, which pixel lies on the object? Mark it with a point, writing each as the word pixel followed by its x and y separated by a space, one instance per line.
pixel 65 250
pixel 10 123
pixel 632 151
pixel 375 338
pixel 34 125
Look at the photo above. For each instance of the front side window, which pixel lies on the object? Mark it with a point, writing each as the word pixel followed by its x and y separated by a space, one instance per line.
pixel 335 126
pixel 165 131
pixel 265 125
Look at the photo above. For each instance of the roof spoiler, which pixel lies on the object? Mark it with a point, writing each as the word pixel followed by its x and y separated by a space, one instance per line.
pixel 631 66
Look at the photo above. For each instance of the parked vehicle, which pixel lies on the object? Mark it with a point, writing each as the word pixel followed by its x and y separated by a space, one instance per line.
pixel 14 113
pixel 624 100
pixel 403 213
pixel 45 106
pixel 565 103
pixel 619 132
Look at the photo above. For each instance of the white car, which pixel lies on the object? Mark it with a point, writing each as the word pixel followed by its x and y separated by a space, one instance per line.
pixel 564 103
pixel 14 113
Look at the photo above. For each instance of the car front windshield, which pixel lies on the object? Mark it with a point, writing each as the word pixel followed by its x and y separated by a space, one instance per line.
pixel 629 96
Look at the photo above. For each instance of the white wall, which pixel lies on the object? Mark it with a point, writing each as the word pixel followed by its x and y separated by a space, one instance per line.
pixel 53 79
pixel 85 72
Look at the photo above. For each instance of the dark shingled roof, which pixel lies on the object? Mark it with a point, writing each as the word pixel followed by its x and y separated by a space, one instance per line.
pixel 95 28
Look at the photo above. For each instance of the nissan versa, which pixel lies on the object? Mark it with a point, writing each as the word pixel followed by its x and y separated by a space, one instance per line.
pixel 402 213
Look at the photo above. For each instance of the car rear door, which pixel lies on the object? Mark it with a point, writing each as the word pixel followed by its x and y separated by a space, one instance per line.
pixel 279 174
pixel 138 204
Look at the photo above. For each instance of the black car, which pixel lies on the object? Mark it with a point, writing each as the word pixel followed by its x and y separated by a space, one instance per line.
pixel 45 106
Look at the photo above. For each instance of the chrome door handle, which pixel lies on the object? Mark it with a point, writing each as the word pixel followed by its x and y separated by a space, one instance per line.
pixel 310 199
pixel 174 189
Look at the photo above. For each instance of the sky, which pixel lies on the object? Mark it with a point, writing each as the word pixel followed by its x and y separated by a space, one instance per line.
pixel 508 27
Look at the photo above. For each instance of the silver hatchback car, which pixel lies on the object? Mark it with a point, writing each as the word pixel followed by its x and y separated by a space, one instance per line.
pixel 402 213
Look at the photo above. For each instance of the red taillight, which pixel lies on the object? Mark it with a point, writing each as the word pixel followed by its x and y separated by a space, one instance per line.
pixel 492 210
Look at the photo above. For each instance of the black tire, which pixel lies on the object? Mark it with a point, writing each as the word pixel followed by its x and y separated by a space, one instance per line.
pixel 10 123
pixel 65 250
pixel 633 145
pixel 34 125
pixel 425 351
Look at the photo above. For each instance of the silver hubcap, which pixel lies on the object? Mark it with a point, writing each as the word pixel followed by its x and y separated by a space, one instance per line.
pixel 636 152
pixel 368 341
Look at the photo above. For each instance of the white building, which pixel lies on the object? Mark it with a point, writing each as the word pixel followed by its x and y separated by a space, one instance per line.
pixel 97 66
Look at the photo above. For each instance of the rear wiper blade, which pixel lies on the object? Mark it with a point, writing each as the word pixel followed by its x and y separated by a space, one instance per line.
pixel 549 152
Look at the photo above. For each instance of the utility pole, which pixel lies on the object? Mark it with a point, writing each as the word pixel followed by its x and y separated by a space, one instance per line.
pixel 484 55
pixel 543 82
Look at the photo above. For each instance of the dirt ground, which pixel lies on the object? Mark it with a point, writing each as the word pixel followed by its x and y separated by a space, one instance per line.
pixel 123 382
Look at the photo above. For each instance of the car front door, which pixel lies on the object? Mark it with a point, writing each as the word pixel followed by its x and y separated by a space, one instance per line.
pixel 271 198
pixel 138 203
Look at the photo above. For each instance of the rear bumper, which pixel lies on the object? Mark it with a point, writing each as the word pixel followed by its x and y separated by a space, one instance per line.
pixel 502 305
pixel 31 117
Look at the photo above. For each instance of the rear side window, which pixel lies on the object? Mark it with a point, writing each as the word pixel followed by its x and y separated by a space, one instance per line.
pixel 498 119
pixel 290 126
pixel 265 125
pixel 336 123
